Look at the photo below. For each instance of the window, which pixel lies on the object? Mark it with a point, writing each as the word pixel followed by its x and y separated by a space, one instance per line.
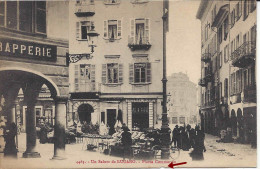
pixel 19 16
pixel 82 29
pixel 220 90
pixel 252 5
pixel 226 29
pixel 139 1
pixel 246 9
pixel 111 2
pixel 237 42
pixel 226 88
pixel 220 34
pixel 238 82
pixel 226 53
pixel 174 120
pixel 112 73
pixel 84 77
pixel 140 73
pixel 233 18
pixel 112 29
pixel 140 31
pixel 182 120
pixel 253 34
pixel 239 10
pixel 220 59
pixel 2 13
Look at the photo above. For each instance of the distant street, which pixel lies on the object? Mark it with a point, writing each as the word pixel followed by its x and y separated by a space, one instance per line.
pixel 217 154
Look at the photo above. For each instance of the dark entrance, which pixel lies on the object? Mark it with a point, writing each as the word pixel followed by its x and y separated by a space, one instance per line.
pixel 84 112
pixel 111 120
pixel 140 115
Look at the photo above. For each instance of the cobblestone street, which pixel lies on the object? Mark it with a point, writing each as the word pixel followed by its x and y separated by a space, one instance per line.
pixel 217 154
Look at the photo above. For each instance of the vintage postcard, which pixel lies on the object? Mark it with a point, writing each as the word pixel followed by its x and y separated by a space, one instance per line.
pixel 128 84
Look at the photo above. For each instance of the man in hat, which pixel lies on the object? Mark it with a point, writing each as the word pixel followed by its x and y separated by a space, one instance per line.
pixel 126 141
pixel 175 134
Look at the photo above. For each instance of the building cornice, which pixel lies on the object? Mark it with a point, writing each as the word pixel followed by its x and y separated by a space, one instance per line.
pixel 201 10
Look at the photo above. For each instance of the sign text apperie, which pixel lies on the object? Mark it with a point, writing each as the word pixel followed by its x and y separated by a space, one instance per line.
pixel 23 49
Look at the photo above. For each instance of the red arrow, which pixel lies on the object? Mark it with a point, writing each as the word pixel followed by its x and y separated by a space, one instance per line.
pixel 171 165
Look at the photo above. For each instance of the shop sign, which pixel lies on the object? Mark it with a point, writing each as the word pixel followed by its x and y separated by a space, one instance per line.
pixel 31 50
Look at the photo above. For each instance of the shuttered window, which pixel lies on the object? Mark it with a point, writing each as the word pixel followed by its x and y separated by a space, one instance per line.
pixel 226 88
pixel 139 31
pixel 76 79
pixel 112 29
pixel 112 73
pixel 140 73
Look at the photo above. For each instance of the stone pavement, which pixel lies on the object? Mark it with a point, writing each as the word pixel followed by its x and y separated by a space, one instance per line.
pixel 217 155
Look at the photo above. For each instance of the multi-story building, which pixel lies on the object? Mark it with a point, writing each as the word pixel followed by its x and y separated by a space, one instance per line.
pixel 228 81
pixel 181 102
pixel 121 80
pixel 33 47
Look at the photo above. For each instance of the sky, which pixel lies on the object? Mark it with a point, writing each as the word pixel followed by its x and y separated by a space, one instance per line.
pixel 184 39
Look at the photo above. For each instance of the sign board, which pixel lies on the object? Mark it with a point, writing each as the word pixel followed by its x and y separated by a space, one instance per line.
pixel 30 50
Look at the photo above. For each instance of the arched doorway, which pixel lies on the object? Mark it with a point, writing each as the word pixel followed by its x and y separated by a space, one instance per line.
pixel 30 82
pixel 84 112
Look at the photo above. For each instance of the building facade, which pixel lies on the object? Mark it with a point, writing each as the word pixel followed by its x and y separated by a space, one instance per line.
pixel 181 103
pixel 33 47
pixel 121 80
pixel 228 81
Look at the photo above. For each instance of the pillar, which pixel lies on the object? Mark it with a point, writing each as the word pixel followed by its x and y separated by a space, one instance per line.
pixel 31 134
pixel 129 115
pixel 150 114
pixel 31 92
pixel 59 128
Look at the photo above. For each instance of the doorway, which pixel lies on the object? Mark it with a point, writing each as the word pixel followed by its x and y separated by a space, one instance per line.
pixel 84 112
pixel 111 120
pixel 140 115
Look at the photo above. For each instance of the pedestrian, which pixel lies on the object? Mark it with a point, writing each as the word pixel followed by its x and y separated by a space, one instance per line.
pixel 126 141
pixel 10 146
pixel 175 134
pixel 199 147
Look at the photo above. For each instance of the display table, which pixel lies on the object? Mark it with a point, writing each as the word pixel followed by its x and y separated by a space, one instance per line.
pixel 95 140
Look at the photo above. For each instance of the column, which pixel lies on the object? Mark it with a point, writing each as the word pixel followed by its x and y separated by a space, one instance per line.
pixel 31 134
pixel 129 115
pixel 150 114
pixel 31 93
pixel 59 128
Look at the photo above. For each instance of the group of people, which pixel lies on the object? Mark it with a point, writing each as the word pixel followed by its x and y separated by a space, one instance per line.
pixel 187 137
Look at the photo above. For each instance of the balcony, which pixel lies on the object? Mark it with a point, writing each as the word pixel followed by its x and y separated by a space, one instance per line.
pixel 202 82
pixel 250 94
pixel 235 98
pixel 139 43
pixel 84 10
pixel 208 105
pixel 206 57
pixel 244 55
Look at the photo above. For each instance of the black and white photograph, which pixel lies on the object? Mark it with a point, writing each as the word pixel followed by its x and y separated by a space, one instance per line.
pixel 128 84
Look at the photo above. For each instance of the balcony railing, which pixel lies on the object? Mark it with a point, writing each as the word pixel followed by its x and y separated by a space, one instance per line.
pixel 250 94
pixel 208 105
pixel 206 57
pixel 139 43
pixel 244 55
pixel 84 9
pixel 86 87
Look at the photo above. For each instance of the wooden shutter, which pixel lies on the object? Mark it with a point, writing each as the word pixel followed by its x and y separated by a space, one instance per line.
pixel 105 29
pixel 240 8
pixel 93 76
pixel 131 73
pixel 147 30
pixel 120 74
pixel 77 30
pixel 148 72
pixel 76 79
pixel 132 31
pixel 104 73
pixel 119 28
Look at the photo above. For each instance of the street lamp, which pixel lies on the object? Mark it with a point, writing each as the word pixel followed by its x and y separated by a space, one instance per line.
pixel 92 36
